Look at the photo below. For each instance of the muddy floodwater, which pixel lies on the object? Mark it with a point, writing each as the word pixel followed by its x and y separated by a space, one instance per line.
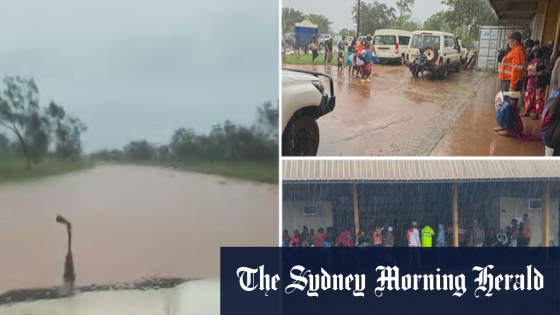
pixel 129 223
pixel 397 115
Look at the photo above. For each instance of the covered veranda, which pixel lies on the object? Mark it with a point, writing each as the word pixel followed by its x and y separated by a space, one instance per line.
pixel 365 193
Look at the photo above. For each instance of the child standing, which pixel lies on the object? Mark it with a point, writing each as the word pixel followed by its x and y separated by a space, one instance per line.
pixel 340 62
pixel 350 53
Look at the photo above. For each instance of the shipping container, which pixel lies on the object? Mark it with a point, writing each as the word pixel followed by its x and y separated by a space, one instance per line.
pixel 490 40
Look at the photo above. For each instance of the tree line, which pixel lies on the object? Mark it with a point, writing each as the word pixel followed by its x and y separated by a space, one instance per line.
pixel 32 132
pixel 227 142
pixel 38 131
pixel 463 18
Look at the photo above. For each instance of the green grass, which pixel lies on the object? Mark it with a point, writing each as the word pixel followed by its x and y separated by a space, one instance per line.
pixel 249 171
pixel 306 59
pixel 259 172
pixel 489 73
pixel 463 89
pixel 16 170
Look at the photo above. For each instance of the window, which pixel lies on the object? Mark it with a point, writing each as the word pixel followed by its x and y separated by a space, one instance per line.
pixel 417 41
pixel 534 204
pixel 431 41
pixel 384 40
pixel 449 42
pixel 404 40
pixel 310 210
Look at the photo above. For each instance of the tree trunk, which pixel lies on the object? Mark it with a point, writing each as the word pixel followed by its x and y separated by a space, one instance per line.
pixel 24 148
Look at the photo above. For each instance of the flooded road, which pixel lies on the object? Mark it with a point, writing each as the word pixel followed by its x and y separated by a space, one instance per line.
pixel 396 115
pixel 129 222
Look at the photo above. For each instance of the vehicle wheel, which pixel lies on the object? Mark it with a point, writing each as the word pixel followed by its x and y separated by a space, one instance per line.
pixel 301 138
pixel 431 54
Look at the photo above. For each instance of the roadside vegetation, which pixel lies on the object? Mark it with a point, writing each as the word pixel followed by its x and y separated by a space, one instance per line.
pixel 248 153
pixel 463 18
pixel 38 141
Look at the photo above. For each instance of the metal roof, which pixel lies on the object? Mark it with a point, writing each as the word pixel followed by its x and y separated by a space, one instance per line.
pixel 418 170
pixel 508 10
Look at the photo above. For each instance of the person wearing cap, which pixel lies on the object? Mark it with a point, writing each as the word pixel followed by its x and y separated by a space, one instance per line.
pixel 414 245
pixel 427 235
pixel 370 41
pixel 538 77
pixel 511 72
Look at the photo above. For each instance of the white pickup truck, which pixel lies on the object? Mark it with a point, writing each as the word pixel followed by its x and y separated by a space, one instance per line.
pixel 322 39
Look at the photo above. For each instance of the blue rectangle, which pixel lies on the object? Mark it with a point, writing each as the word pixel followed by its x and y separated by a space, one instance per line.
pixel 303 35
pixel 453 263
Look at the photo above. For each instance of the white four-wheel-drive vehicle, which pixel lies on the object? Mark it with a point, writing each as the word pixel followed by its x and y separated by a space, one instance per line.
pixel 322 39
pixel 441 49
pixel 304 100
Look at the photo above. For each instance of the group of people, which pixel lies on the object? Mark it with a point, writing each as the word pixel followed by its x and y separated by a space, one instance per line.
pixel 379 237
pixel 517 234
pixel 529 68
pixel 359 56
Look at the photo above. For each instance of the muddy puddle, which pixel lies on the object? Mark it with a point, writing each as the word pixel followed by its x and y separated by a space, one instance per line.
pixel 130 224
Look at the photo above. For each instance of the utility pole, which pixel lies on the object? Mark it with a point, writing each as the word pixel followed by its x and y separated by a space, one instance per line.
pixel 284 39
pixel 358 30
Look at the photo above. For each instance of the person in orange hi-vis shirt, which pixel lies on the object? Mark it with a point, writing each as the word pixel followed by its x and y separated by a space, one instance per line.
pixel 511 73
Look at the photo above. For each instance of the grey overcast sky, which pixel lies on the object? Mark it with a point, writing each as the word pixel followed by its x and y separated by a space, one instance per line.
pixel 340 11
pixel 139 69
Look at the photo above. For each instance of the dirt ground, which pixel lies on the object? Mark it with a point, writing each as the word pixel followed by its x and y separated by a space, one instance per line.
pixel 397 115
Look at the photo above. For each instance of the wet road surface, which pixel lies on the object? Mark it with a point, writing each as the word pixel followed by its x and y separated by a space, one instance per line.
pixel 396 115
pixel 473 133
pixel 129 222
